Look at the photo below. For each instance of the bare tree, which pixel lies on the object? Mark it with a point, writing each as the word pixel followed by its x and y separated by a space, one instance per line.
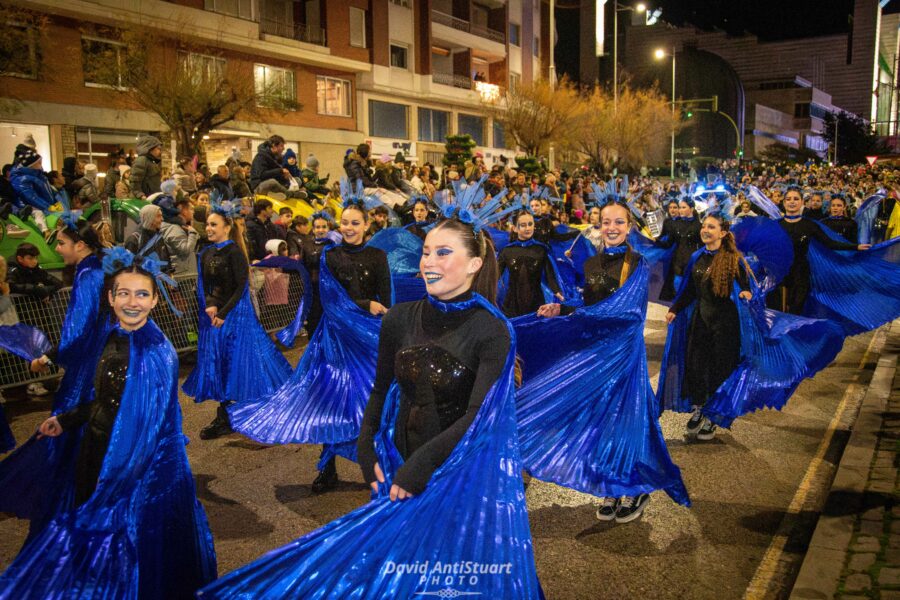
pixel 190 87
pixel 539 114
pixel 630 137
pixel 21 33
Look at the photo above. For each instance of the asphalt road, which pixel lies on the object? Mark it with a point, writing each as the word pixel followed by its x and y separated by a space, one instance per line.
pixel 741 485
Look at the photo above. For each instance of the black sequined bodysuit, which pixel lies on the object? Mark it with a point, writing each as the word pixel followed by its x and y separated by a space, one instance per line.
pixel 99 414
pixel 444 364
pixel 363 272
pixel 526 266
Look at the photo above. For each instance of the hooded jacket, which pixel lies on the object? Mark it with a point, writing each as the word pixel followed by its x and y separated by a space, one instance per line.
pixel 266 166
pixel 146 172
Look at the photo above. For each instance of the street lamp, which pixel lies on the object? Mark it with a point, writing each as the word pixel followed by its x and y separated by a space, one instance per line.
pixel 659 55
pixel 639 8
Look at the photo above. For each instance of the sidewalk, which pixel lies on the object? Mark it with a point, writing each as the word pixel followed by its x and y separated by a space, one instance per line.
pixel 855 550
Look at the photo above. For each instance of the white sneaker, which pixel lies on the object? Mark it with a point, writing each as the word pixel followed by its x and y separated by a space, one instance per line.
pixel 36 389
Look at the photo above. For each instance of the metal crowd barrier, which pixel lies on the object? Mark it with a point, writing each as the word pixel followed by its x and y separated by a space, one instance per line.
pixel 182 331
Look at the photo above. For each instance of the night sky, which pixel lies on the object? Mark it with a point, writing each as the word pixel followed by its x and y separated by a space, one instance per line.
pixel 768 19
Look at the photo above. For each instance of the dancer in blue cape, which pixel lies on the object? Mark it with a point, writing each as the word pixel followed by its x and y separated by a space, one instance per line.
pixel 438 445
pixel 236 359
pixel 587 414
pixel 725 354
pixel 125 521
pixel 322 402
pixel 527 267
pixel 420 224
pixel 855 285
pixel 682 233
pixel 22 491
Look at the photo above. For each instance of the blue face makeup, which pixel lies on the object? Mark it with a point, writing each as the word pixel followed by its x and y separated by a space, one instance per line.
pixel 444 252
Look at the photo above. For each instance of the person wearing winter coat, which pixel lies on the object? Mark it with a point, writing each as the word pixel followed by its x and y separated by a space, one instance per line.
pixel 267 175
pixel 113 174
pixel 289 162
pixel 31 185
pixel 310 177
pixel 356 164
pixel 123 185
pixel 221 183
pixel 180 239
pixel 237 178
pixel 184 175
pixel 146 172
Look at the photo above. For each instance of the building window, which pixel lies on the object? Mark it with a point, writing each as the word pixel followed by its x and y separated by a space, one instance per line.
pixel 103 62
pixel 433 125
pixel 388 120
pixel 357 27
pixel 21 57
pixel 241 9
pixel 801 110
pixel 537 47
pixel 202 68
pixel 515 33
pixel 514 80
pixel 333 96
pixel 474 126
pixel 399 56
pixel 499 137
pixel 402 3
pixel 275 88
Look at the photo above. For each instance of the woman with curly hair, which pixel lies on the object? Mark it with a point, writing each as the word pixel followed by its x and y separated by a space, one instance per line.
pixel 714 333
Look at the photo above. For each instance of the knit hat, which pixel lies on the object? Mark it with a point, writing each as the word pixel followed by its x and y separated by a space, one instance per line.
pixel 168 187
pixel 25 156
pixel 311 161
pixel 90 172
pixel 272 246
pixel 123 169
pixel 363 150
pixel 400 158
pixel 148 215
pixel 29 141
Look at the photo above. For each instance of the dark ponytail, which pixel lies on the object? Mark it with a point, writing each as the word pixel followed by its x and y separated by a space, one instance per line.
pixel 84 233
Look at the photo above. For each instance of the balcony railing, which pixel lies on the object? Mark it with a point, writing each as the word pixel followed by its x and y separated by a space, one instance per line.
pixel 457 81
pixel 293 31
pixel 461 25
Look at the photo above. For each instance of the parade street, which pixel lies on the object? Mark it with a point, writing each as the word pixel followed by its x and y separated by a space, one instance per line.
pixel 755 493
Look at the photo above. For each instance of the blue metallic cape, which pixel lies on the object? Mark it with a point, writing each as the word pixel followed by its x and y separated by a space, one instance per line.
pixel 473 510
pixel 25 342
pixel 767 248
pixel 324 399
pixel 778 351
pixel 287 335
pixel 658 259
pixel 404 250
pixel 570 270
pixel 237 361
pixel 142 533
pixel 83 330
pixel 858 290
pixel 587 415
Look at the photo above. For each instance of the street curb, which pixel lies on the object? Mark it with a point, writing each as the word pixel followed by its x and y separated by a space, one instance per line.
pixel 824 561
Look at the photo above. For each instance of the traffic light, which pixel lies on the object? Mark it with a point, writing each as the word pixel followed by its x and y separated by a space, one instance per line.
pixel 690 113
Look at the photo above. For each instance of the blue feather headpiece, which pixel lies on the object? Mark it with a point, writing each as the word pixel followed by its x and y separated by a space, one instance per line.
pixel 611 193
pixel 117 258
pixel 357 197
pixel 228 208
pixel 69 219
pixel 470 204
pixel 321 215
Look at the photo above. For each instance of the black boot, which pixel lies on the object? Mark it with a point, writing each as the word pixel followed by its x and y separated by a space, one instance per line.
pixel 220 426
pixel 327 478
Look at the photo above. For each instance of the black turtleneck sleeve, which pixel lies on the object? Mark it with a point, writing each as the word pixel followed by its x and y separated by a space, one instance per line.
pixel 363 272
pixel 225 274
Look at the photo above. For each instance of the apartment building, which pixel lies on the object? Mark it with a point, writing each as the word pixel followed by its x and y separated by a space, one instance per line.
pixel 400 74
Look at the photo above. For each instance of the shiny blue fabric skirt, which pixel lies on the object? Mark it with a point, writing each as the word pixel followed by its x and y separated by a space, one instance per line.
pixel 778 351
pixel 237 361
pixel 142 533
pixel 587 415
pixel 470 519
pixel 323 401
